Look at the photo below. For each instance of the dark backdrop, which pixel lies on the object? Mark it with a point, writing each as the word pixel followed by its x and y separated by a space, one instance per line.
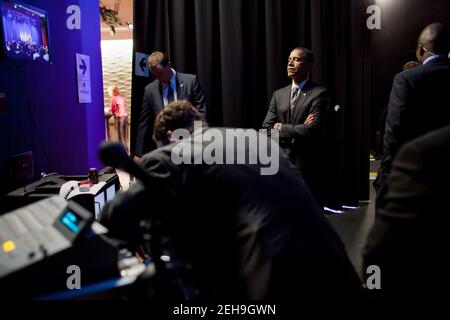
pixel 239 50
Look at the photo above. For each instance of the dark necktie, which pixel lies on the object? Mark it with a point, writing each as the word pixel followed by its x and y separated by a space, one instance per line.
pixel 170 96
pixel 294 96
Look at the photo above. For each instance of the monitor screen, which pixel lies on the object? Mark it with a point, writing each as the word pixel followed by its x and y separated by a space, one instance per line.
pixel 102 198
pixel 99 202
pixel 25 32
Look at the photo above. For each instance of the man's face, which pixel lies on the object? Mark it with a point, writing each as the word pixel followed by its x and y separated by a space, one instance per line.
pixel 297 68
pixel 162 73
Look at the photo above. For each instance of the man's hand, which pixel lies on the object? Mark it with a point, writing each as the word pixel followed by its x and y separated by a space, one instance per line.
pixel 136 159
pixel 309 120
pixel 277 125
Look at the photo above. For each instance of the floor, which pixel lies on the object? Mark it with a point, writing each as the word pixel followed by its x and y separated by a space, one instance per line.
pixel 124 179
pixel 123 176
pixel 354 225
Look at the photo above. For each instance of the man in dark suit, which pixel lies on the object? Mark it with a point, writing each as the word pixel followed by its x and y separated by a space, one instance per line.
pixel 247 235
pixel 168 86
pixel 298 111
pixel 419 100
pixel 409 240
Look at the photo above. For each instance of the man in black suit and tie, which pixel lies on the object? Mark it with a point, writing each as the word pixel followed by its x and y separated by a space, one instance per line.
pixel 419 100
pixel 409 240
pixel 298 111
pixel 168 86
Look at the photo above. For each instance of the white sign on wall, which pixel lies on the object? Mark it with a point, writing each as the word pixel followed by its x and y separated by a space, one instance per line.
pixel 141 67
pixel 84 78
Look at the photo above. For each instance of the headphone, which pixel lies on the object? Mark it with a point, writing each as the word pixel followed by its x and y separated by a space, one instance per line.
pixel 424 50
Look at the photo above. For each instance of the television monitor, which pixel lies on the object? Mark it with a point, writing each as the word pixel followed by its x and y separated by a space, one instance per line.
pixel 25 32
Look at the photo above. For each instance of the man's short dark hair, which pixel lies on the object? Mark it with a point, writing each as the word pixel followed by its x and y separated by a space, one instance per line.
pixel 308 54
pixel 177 114
pixel 436 38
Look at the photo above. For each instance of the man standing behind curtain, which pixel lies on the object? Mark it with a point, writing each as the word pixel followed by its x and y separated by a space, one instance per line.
pixel 419 99
pixel 168 86
pixel 298 111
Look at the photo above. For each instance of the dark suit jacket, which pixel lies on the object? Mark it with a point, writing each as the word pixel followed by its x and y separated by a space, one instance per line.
pixel 248 236
pixel 409 240
pixel 419 103
pixel 302 143
pixel 188 88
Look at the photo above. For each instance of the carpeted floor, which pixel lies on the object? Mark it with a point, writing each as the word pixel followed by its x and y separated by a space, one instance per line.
pixel 354 225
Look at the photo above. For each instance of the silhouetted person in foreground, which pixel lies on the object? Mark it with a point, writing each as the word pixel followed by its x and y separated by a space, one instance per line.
pixel 247 235
pixel 409 241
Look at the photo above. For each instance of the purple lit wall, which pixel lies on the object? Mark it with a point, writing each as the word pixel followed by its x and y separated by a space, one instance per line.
pixel 42 110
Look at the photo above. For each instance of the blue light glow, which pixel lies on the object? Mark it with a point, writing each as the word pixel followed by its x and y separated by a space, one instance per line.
pixel 71 221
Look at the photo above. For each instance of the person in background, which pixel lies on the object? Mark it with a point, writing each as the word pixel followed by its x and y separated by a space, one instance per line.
pixel 299 112
pixel 169 85
pixel 117 107
pixel 419 99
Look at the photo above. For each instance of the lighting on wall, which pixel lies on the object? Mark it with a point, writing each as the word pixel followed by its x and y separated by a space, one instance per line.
pixel 111 16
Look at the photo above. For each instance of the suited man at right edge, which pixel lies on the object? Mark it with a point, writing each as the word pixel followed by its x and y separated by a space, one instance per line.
pixel 409 240
pixel 298 111
pixel 419 101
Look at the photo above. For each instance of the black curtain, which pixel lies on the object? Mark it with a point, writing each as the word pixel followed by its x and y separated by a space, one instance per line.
pixel 239 50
